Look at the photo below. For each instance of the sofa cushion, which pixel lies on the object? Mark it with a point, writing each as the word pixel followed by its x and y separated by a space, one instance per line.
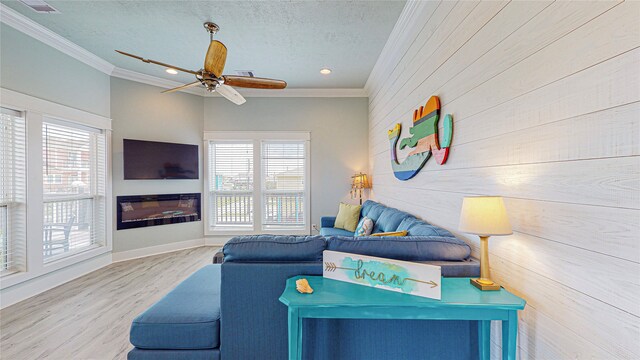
pixel 348 216
pixel 281 248
pixel 188 317
pixel 335 232
pixel 374 211
pixel 366 206
pixel 390 233
pixel 389 220
pixel 364 228
pixel 425 229
pixel 406 223
pixel 409 248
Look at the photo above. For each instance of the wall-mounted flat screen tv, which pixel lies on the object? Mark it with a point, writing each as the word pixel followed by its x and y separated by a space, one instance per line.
pixel 147 160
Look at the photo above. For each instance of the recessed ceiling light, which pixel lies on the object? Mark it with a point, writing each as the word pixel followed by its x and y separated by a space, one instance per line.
pixel 172 71
pixel 325 71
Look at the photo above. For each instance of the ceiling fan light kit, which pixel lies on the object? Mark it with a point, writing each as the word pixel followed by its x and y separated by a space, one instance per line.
pixel 211 77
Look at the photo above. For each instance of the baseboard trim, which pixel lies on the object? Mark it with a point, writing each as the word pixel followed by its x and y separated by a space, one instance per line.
pixel 40 284
pixel 216 240
pixel 156 250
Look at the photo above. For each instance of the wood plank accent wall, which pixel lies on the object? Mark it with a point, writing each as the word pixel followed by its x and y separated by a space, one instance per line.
pixel 545 98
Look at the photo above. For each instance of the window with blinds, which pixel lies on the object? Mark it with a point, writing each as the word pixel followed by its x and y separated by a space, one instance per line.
pixel 74 184
pixel 230 184
pixel 283 184
pixel 257 183
pixel 12 191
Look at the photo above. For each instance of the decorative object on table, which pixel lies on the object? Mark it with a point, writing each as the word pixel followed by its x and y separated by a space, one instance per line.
pixel 387 274
pixel 365 226
pixel 359 182
pixel 392 233
pixel 424 141
pixel 211 76
pixel 303 287
pixel 484 216
pixel 348 216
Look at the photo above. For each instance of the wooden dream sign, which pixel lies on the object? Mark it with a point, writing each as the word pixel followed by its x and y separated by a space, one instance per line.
pixel 387 274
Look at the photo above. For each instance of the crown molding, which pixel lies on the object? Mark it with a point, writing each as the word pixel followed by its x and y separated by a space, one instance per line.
pixel 29 27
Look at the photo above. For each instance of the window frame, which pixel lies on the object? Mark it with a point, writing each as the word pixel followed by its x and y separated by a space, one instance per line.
pixel 208 192
pixel 264 192
pixel 95 196
pixel 15 241
pixel 36 110
pixel 257 137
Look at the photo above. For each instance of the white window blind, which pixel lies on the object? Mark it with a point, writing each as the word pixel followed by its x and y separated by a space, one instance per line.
pixel 230 184
pixel 12 191
pixel 74 183
pixel 283 182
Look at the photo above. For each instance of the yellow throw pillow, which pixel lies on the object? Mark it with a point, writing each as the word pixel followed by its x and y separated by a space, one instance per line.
pixel 393 233
pixel 348 216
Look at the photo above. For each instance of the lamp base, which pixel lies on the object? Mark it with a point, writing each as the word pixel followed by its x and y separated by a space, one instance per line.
pixel 483 285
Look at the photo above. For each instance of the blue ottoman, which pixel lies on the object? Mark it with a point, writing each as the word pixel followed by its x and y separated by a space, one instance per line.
pixel 185 324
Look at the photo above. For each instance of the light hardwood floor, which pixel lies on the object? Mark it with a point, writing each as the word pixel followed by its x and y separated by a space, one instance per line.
pixel 89 318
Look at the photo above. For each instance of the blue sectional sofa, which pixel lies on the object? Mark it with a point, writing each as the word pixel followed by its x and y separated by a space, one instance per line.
pixel 231 311
pixel 385 219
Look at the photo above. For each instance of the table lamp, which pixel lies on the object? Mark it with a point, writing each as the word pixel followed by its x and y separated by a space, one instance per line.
pixel 358 183
pixel 484 216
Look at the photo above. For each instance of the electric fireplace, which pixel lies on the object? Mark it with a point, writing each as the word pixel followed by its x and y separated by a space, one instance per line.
pixel 136 211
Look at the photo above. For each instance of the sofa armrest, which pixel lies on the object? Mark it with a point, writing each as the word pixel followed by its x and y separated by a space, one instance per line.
pixel 218 258
pixel 327 221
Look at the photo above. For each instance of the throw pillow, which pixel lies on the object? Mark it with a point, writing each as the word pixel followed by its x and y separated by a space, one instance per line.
pixel 348 216
pixel 364 227
pixel 392 233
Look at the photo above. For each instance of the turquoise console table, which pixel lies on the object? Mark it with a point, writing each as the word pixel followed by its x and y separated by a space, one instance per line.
pixel 460 301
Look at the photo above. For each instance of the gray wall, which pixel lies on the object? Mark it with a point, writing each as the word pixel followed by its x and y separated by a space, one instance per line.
pixel 33 68
pixel 339 137
pixel 338 126
pixel 140 111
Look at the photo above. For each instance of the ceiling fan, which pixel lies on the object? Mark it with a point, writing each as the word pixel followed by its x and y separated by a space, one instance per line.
pixel 211 76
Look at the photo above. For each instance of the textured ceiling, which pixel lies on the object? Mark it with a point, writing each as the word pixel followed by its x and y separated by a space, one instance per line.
pixel 289 40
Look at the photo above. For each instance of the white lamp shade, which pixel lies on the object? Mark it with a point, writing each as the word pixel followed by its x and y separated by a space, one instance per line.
pixel 485 216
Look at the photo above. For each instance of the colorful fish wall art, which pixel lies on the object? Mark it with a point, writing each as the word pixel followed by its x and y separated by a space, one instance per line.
pixel 424 140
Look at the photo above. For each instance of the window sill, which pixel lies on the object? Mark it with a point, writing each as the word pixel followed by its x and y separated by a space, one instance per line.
pixel 72 256
pixel 22 276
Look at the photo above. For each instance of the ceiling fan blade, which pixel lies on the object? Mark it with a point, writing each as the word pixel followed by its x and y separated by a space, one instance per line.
pixel 231 94
pixel 216 58
pixel 254 82
pixel 185 86
pixel 158 63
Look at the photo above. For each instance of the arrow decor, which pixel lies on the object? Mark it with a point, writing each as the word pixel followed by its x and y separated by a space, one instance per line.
pixel 394 275
pixel 331 267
